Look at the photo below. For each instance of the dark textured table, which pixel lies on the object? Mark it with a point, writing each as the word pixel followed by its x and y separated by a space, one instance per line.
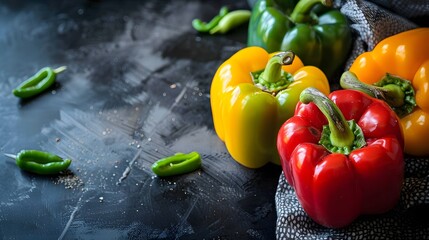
pixel 136 89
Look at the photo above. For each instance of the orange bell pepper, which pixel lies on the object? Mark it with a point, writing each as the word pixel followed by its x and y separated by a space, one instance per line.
pixel 402 58
pixel 252 94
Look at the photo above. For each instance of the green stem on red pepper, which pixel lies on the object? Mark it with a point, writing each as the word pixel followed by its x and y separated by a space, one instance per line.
pixel 339 135
pixel 302 13
pixel 273 79
pixel 395 91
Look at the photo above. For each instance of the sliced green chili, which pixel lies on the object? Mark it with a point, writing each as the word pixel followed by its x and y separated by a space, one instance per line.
pixel 201 26
pixel 179 163
pixel 231 20
pixel 223 22
pixel 38 83
pixel 41 162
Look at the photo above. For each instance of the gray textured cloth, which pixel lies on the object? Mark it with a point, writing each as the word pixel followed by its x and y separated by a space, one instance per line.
pixel 371 22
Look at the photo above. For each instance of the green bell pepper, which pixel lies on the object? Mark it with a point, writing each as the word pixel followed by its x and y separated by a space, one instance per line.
pixel 314 31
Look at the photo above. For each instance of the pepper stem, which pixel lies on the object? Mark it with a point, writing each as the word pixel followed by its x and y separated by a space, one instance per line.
pixel 11 156
pixel 395 91
pixel 60 69
pixel 349 80
pixel 339 135
pixel 302 11
pixel 273 78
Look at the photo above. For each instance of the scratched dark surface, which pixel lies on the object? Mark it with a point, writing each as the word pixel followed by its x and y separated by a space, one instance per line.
pixel 136 89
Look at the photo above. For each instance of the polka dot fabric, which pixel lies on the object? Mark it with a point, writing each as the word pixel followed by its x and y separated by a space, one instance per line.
pixel 371 22
pixel 408 220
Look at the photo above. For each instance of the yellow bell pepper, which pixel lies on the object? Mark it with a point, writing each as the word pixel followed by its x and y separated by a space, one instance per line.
pixel 252 94
pixel 404 59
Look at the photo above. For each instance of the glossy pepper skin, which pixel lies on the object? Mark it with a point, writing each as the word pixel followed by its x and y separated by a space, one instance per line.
pixel 404 55
pixel 38 83
pixel 348 176
pixel 177 164
pixel 320 36
pixel 39 162
pixel 248 118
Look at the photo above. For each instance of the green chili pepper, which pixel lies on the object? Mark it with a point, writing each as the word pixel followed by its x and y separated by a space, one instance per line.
pixel 38 83
pixel 179 163
pixel 223 22
pixel 201 26
pixel 231 20
pixel 40 162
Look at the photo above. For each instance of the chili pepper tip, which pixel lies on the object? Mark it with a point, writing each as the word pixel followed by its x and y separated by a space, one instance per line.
pixel 60 69
pixel 9 155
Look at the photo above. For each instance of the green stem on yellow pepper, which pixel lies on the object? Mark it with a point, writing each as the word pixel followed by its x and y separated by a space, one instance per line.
pixel 339 135
pixel 395 91
pixel 302 11
pixel 273 79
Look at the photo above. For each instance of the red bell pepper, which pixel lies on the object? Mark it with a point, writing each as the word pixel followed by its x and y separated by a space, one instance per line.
pixel 343 155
